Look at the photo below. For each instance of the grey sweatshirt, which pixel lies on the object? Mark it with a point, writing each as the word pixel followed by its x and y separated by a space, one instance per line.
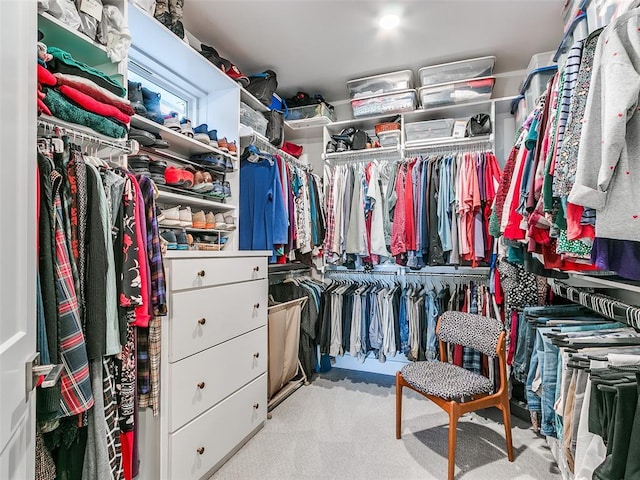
pixel 608 171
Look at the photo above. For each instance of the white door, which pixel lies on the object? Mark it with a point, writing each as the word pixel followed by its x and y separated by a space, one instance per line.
pixel 18 27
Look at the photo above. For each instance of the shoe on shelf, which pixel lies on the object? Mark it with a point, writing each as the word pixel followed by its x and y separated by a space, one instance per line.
pixel 190 240
pixel 207 184
pixel 331 146
pixel 220 223
pixel 173 176
pixel 228 165
pixel 198 181
pixel 134 93
pixel 223 145
pixel 151 102
pixel 188 178
pixel 171 120
pixel 210 221
pixel 209 159
pixel 199 220
pixel 226 189
pixel 233 149
pixel 218 189
pixel 181 240
pixel 186 128
pixel 186 219
pixel 213 138
pixel 201 134
pixel 171 216
pixel 144 138
pixel 341 146
pixel 230 221
pixel 159 142
pixel 170 238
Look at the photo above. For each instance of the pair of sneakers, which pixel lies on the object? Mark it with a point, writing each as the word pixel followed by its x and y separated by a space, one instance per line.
pixel 182 125
pixel 221 189
pixel 177 240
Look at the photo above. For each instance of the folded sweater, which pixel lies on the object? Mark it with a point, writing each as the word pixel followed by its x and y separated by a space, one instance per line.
pixel 63 62
pixel 89 87
pixel 68 112
pixel 92 105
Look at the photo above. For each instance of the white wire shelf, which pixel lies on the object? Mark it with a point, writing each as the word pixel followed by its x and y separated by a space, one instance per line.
pixel 165 196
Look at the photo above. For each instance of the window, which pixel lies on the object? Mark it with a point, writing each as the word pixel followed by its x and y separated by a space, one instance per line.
pixel 169 101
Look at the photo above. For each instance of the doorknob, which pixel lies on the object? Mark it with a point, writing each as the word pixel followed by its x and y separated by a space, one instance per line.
pixel 34 371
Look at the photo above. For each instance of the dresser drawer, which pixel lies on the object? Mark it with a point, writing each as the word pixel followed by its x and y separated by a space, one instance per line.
pixel 200 445
pixel 202 380
pixel 206 272
pixel 203 318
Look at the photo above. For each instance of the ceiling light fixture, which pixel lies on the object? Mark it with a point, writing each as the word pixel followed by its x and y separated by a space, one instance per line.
pixel 389 21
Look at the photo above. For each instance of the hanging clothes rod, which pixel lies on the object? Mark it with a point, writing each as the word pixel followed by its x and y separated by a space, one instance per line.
pixel 600 303
pixel 404 273
pixel 263 144
pixel 59 127
pixel 458 146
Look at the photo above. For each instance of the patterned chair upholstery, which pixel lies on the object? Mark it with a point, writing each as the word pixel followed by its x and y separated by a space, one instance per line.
pixel 454 389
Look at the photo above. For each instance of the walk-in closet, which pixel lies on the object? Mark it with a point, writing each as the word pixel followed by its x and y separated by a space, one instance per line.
pixel 318 240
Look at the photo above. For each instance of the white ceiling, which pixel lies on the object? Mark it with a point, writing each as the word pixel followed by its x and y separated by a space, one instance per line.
pixel 318 45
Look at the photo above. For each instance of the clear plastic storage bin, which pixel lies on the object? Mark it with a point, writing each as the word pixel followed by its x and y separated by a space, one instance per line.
pixel 310 115
pixel 398 102
pixel 601 12
pixel 456 92
pixel 390 138
pixel 253 119
pixel 456 71
pixel 380 84
pixel 429 130
pixel 536 84
pixel 577 30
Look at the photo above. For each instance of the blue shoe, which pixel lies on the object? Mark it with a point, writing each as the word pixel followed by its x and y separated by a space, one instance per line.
pixel 209 159
pixel 200 134
pixel 228 164
pixel 213 138
pixel 182 243
pixel 218 190
pixel 226 188
pixel 170 237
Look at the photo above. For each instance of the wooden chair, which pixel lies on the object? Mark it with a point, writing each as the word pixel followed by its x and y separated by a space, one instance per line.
pixel 454 389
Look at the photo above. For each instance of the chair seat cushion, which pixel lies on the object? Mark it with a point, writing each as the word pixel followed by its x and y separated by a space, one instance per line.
pixel 445 380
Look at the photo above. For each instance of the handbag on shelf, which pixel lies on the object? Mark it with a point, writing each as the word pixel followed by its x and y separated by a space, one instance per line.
pixel 478 125
pixel 275 127
pixel 263 86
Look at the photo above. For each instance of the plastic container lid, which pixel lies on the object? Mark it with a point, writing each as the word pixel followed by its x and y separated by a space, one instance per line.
pixel 430 125
pixel 533 73
pixel 455 71
pixel 568 36
pixel 380 84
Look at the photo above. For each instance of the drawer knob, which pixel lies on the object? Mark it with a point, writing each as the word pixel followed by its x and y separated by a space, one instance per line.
pixel 256 269
pixel 256 305
pixel 200 450
pixel 256 406
pixel 256 355
pixel 202 273
pixel 201 385
pixel 202 321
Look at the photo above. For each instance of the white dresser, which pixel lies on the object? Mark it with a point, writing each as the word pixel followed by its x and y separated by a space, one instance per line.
pixel 213 389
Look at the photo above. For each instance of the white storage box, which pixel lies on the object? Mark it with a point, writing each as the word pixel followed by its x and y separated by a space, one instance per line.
pixel 456 71
pixel 380 84
pixel 429 130
pixel 253 119
pixel 457 92
pixel 398 102
pixel 577 30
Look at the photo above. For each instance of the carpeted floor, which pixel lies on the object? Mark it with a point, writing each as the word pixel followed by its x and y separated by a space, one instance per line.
pixel 343 426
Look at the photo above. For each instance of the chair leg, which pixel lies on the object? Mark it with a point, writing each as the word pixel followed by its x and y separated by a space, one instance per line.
pixel 398 405
pixel 453 430
pixel 506 418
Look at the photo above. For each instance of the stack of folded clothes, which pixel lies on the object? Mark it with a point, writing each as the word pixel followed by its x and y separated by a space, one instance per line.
pixel 78 93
